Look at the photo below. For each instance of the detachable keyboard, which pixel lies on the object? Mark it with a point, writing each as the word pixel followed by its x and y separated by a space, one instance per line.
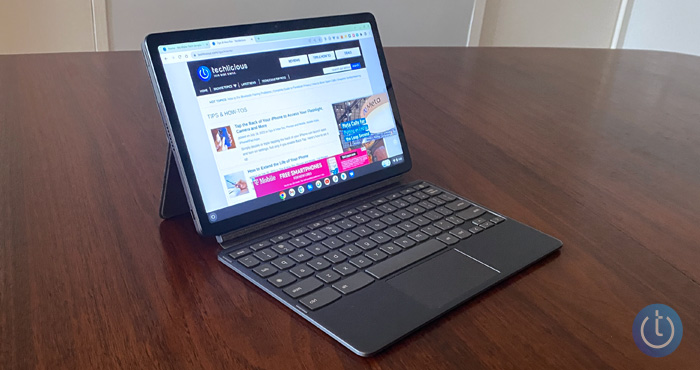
pixel 315 264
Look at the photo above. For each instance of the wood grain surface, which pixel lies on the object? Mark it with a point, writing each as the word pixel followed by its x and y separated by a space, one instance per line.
pixel 599 148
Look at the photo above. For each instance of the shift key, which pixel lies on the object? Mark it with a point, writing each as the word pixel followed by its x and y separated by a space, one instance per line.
pixel 408 257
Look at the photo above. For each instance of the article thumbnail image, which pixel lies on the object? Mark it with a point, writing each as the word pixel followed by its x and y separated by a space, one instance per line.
pixel 350 110
pixel 376 150
pixel 236 184
pixel 223 138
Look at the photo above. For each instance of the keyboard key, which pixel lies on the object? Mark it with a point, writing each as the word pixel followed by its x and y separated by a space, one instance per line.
pixel 415 209
pixel 380 238
pixel 305 286
pixel 403 214
pixel 333 219
pixel 431 230
pixel 471 212
pixel 432 191
pixel 420 221
pixel 280 238
pixel 460 233
pixel 283 263
pixel 448 239
pixel 348 213
pixel 300 256
pixel 457 205
pixel 486 225
pixel 315 236
pixel 265 254
pixel 345 268
pixel 443 211
pixel 497 219
pixel 390 248
pixel 377 225
pixel 260 245
pixel 240 253
pixel 404 242
pixel 421 186
pixel 447 197
pixel 319 299
pixel 248 261
pixel 408 257
pixel 333 243
pixel 407 226
pixel 360 219
pixel 317 249
pixel 351 250
pixel 379 201
pixel 301 271
pixel 410 199
pixel 334 257
pixel 298 231
pixel 407 191
pixel 348 237
pixel 345 224
pixel 443 225
pixel 283 248
pixel 362 230
pixel 437 201
pixel 366 244
pixel 475 229
pixel 331 229
pixel 455 220
pixel 361 261
pixel 315 225
pixel 426 204
pixel 479 221
pixel 376 255
pixel 394 196
pixel 374 213
pixel 418 236
pixel 390 220
pixel 265 270
pixel 399 203
pixel 282 279
pixel 328 276
pixel 432 215
pixel 299 241
pixel 386 208
pixel 319 264
pixel 393 232
pixel 364 207
pixel 420 195
pixel 353 283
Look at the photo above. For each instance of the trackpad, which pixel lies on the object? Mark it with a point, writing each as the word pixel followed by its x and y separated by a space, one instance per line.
pixel 446 279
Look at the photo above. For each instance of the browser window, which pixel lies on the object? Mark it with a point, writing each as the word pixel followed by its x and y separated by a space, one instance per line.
pixel 270 117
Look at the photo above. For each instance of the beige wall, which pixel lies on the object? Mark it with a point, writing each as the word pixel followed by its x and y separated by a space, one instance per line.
pixel 401 22
pixel 40 26
pixel 552 23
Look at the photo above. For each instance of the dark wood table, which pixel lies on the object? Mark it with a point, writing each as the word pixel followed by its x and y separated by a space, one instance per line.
pixel 599 148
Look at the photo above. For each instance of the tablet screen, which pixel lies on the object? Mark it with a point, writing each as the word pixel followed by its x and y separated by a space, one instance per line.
pixel 272 117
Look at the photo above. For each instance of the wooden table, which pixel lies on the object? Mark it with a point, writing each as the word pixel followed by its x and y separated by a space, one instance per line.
pixel 599 148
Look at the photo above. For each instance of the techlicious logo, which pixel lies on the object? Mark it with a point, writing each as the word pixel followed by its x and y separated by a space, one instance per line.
pixel 229 68
pixel 204 73
pixel 657 330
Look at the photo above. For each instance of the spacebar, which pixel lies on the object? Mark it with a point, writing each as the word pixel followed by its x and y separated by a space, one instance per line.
pixel 406 258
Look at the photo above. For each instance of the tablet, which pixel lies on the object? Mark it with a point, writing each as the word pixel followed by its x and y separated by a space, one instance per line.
pixel 264 119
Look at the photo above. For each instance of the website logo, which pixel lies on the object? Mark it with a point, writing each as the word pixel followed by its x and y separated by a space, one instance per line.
pixel 657 330
pixel 283 195
pixel 204 73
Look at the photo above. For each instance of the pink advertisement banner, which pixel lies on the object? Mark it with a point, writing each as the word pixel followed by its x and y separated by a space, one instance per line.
pixel 309 172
